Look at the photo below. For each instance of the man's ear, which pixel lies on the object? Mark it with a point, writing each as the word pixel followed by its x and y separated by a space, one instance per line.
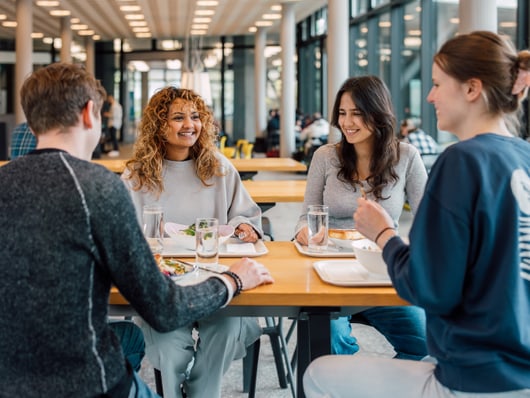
pixel 88 114
pixel 474 89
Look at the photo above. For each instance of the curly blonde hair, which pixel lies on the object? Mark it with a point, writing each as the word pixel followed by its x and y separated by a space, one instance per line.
pixel 145 167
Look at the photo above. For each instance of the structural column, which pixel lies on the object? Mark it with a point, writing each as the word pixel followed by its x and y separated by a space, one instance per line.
pixel 90 57
pixel 287 108
pixel 477 15
pixel 24 51
pixel 66 40
pixel 260 79
pixel 337 54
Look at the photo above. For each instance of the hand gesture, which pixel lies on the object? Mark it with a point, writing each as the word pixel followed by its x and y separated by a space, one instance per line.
pixel 246 233
pixel 251 273
pixel 370 218
pixel 302 236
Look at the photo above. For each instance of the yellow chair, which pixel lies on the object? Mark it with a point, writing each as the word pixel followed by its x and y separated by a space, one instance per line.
pixel 246 151
pixel 239 147
pixel 228 151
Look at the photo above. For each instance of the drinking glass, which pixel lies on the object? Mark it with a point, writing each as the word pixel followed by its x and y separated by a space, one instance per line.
pixel 317 228
pixel 207 241
pixel 153 227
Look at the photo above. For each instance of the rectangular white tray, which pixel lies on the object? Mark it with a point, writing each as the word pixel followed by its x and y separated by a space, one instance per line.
pixel 172 250
pixel 333 251
pixel 348 273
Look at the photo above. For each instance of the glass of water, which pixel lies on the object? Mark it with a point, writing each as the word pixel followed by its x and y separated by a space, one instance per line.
pixel 207 241
pixel 317 228
pixel 153 227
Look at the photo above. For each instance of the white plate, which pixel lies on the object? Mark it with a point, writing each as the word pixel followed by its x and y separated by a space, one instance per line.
pixel 348 273
pixel 332 251
pixel 239 249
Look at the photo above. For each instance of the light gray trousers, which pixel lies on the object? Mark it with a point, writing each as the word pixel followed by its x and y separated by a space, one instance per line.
pixel 348 376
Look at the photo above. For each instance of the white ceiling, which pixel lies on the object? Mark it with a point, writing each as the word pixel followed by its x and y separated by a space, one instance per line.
pixel 165 18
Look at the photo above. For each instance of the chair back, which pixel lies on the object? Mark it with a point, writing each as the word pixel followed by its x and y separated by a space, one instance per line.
pixel 246 151
pixel 239 147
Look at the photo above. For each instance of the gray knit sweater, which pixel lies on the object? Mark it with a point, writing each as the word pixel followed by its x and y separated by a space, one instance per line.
pixel 68 231
pixel 324 187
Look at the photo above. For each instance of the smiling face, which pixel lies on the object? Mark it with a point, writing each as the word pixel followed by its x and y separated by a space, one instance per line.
pixel 184 128
pixel 352 123
pixel 448 97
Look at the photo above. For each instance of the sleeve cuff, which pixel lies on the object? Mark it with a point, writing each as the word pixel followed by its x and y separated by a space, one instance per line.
pixel 228 287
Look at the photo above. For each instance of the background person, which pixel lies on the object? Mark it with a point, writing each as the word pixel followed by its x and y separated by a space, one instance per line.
pixel 56 278
pixel 316 134
pixel 22 141
pixel 177 165
pixel 114 123
pixel 467 262
pixel 370 157
pixel 426 145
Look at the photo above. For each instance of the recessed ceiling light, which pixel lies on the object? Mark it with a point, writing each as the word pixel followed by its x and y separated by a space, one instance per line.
pixel 37 35
pixel 264 23
pixel 141 29
pixel 9 24
pixel 272 16
pixel 87 32
pixel 137 23
pixel 3 17
pixel 48 3
pixel 60 13
pixel 79 26
pixel 202 20
pixel 130 8
pixel 252 29
pixel 136 17
pixel 207 3
pixel 198 32
pixel 199 26
pixel 204 12
pixel 143 35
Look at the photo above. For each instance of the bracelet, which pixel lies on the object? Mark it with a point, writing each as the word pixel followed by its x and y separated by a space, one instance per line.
pixel 237 280
pixel 382 232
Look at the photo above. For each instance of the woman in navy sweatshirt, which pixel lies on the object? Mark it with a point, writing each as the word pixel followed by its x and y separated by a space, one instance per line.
pixel 468 262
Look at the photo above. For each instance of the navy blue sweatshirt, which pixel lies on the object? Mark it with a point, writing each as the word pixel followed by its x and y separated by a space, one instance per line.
pixel 468 264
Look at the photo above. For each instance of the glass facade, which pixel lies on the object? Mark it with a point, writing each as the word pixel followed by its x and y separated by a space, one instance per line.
pixel 396 40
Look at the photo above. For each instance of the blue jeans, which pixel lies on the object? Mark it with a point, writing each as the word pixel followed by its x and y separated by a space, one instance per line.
pixel 140 390
pixel 131 340
pixel 403 327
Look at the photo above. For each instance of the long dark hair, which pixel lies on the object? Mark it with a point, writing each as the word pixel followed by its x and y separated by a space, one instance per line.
pixel 372 99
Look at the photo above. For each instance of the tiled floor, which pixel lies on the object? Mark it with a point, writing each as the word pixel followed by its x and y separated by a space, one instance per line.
pixel 283 218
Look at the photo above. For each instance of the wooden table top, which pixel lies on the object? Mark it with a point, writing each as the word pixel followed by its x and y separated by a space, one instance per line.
pixel 272 191
pixel 268 164
pixel 298 285
pixel 242 165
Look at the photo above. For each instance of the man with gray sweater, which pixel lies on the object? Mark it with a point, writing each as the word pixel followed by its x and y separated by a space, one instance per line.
pixel 69 231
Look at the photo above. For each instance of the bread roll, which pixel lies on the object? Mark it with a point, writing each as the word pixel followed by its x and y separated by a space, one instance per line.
pixel 346 234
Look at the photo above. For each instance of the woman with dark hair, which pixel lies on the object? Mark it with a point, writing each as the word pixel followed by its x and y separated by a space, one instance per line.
pixel 468 262
pixel 368 158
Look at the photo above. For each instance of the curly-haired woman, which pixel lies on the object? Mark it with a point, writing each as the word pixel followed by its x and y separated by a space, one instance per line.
pixel 177 165
pixel 369 157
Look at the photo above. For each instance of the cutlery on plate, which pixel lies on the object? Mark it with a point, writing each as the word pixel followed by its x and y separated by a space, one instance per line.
pixel 216 268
